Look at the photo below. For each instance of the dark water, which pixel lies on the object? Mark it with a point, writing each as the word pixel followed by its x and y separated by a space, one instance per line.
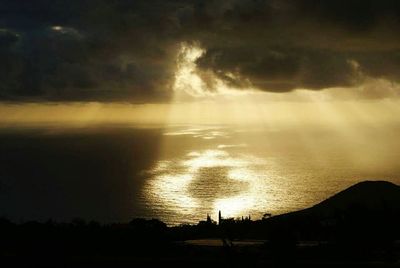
pixel 62 174
pixel 179 174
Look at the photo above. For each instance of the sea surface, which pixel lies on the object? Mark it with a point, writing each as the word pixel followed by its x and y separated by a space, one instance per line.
pixel 179 174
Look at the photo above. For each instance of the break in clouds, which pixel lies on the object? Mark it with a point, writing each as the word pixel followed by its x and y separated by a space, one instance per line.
pixel 113 50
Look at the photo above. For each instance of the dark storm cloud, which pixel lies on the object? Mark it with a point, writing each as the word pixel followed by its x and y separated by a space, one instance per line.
pixel 281 70
pixel 126 50
pixel 282 45
pixel 87 50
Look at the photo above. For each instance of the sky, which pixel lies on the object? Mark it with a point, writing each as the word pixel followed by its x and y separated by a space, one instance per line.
pixel 144 61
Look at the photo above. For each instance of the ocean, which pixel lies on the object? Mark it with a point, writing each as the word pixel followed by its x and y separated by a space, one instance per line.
pixel 181 173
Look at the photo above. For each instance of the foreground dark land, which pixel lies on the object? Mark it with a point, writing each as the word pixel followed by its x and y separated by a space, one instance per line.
pixel 358 226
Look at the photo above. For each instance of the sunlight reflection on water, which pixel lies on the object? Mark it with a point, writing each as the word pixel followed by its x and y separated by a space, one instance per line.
pixel 206 181
pixel 242 172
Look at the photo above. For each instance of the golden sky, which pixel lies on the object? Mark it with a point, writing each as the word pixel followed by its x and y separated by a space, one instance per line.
pixel 194 103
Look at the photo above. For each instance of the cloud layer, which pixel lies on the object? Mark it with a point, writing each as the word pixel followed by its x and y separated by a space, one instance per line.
pixel 126 50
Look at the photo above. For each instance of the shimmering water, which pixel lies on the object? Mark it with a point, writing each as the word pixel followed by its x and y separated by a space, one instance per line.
pixel 253 171
pixel 180 174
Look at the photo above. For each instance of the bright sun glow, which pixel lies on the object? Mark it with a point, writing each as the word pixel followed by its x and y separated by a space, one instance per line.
pixel 188 80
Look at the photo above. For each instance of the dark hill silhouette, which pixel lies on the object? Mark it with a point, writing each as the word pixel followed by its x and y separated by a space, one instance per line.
pixel 371 196
pixel 360 218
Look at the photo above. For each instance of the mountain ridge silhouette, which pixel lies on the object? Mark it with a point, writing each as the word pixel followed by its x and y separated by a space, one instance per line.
pixel 375 196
